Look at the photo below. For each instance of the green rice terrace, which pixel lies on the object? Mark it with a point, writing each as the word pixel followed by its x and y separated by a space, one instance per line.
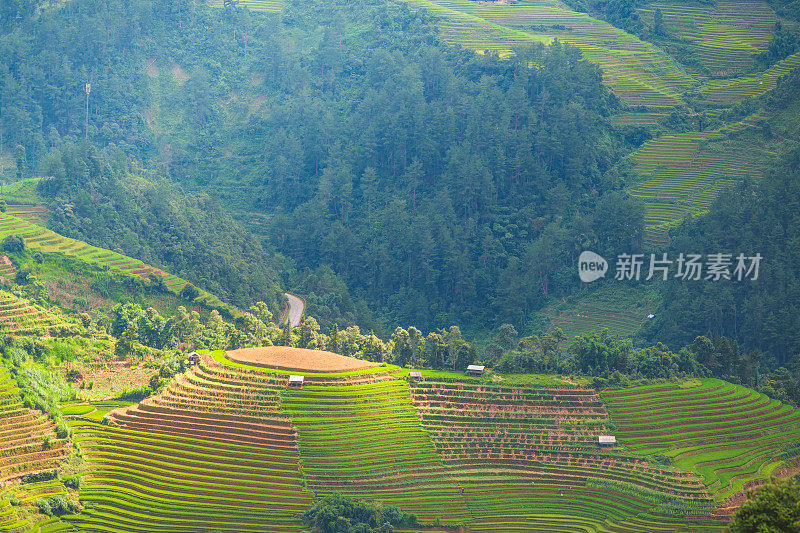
pixel 637 71
pixel 28 445
pixel 682 174
pixel 724 35
pixel 622 310
pixel 730 435
pixel 231 447
pixel 38 238
pixel 216 434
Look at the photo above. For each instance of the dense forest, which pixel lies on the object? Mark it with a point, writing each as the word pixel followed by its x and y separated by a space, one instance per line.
pixel 436 186
pixel 394 179
pixel 751 218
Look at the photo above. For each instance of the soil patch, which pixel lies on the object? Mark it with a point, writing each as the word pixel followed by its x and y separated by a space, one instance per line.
pixel 299 359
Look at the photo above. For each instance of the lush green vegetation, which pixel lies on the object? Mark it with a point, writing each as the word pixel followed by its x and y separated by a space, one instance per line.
pixel 337 514
pixel 759 315
pixel 211 451
pixel 365 157
pixel 726 433
pixel 772 506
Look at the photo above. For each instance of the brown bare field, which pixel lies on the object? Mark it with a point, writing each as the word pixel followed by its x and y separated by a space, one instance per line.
pixel 299 359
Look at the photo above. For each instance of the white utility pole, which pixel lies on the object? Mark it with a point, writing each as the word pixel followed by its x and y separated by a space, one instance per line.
pixel 88 90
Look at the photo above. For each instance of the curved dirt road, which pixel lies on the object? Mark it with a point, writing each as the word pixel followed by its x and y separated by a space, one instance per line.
pixel 295 313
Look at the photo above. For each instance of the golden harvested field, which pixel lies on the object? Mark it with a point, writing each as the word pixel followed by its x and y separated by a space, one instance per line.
pixel 299 359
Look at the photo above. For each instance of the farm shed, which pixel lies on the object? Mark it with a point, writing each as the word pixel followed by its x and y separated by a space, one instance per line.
pixel 475 370
pixel 193 358
pixel 415 375
pixel 296 381
pixel 607 441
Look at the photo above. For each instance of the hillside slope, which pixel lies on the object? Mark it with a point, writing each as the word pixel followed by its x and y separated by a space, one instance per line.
pixel 730 435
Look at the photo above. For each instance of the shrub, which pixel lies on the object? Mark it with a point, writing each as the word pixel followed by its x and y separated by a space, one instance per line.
pixel 135 394
pixel 189 292
pixel 73 482
pixel 13 243
pixel 56 506
pixel 22 275
pixel 38 257
pixel 47 475
pixel 3 206
pixel 337 514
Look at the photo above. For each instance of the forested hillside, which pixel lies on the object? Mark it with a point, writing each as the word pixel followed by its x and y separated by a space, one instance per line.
pixel 427 178
pixel 358 154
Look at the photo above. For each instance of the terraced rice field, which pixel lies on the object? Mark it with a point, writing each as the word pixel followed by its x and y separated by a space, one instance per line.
pixel 7 268
pixel 586 317
pixel 38 238
pixel 725 34
pixel 636 118
pixel 730 435
pixel 266 6
pixel 20 317
pixel 31 212
pixel 24 450
pixel 683 175
pixel 393 461
pixel 729 91
pixel 638 72
pixel 22 434
pixel 527 459
pixel 211 453
pixel 622 310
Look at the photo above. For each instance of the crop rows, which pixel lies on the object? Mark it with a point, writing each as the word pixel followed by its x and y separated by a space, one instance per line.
pixel 684 174
pixel 212 452
pixel 31 212
pixel 42 239
pixel 636 118
pixel 28 445
pixel 729 91
pixel 267 6
pixel 365 440
pixel 7 269
pixel 727 433
pixel 20 317
pixel 27 440
pixel 621 311
pixel 724 35
pixel 585 318
pixel 521 453
pixel 637 71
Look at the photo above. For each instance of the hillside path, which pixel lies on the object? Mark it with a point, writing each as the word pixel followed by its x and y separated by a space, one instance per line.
pixel 295 313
